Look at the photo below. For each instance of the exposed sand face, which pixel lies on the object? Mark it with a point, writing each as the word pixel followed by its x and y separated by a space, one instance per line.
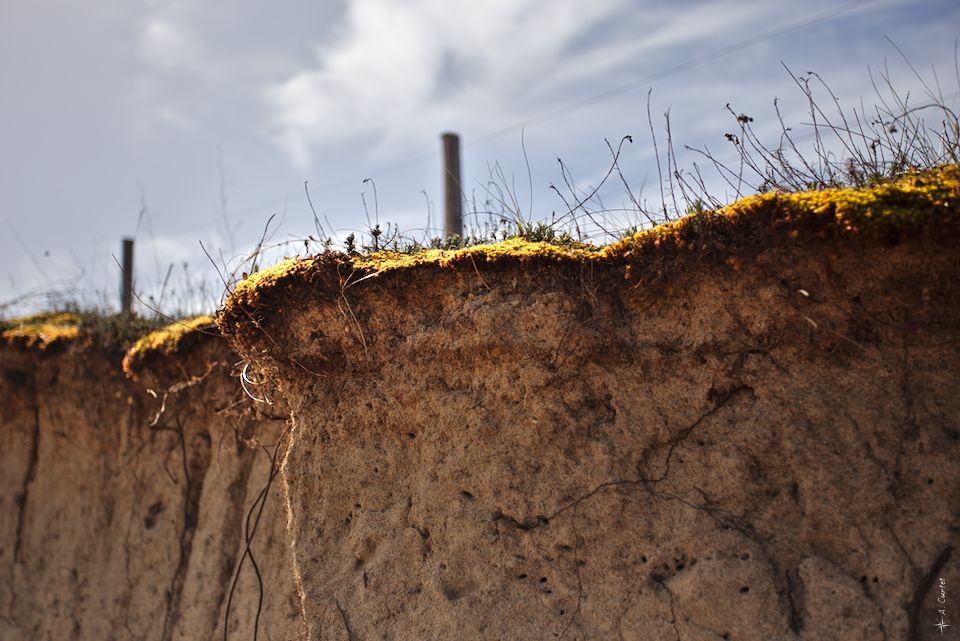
pixel 759 451
pixel 516 441
pixel 113 529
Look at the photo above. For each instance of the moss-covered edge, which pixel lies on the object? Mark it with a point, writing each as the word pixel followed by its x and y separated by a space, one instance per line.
pixel 136 340
pixel 915 203
pixel 41 331
pixel 919 203
pixel 925 202
pixel 167 341
pixel 55 331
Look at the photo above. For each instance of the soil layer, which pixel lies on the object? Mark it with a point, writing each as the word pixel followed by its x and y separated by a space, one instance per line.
pixel 123 512
pixel 748 433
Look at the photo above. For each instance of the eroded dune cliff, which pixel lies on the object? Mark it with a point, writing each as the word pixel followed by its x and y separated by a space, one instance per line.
pixel 740 426
pixel 123 512
pixel 744 426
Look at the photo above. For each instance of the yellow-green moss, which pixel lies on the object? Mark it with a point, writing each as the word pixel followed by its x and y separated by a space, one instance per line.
pixel 247 289
pixel 513 248
pixel 165 340
pixel 923 201
pixel 42 330
pixel 914 201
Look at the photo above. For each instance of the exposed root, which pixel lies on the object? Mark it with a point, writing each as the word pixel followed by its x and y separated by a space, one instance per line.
pixel 246 380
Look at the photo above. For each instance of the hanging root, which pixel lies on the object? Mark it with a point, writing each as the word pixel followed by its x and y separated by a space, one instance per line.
pixel 246 380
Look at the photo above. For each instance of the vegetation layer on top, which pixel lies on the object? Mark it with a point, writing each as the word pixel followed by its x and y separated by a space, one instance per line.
pixel 925 203
pixel 167 340
pixel 55 330
pixel 137 340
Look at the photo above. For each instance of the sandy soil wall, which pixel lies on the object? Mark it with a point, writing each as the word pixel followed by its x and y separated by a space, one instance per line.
pixel 743 426
pixel 756 448
pixel 122 521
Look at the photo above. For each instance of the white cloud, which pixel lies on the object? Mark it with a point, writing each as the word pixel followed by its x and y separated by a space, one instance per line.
pixel 176 119
pixel 399 72
pixel 403 70
pixel 166 39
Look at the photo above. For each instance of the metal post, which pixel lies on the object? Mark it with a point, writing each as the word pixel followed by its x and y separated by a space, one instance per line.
pixel 126 282
pixel 452 192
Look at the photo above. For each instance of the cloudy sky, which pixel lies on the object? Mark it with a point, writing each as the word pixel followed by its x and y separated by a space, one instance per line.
pixel 183 121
